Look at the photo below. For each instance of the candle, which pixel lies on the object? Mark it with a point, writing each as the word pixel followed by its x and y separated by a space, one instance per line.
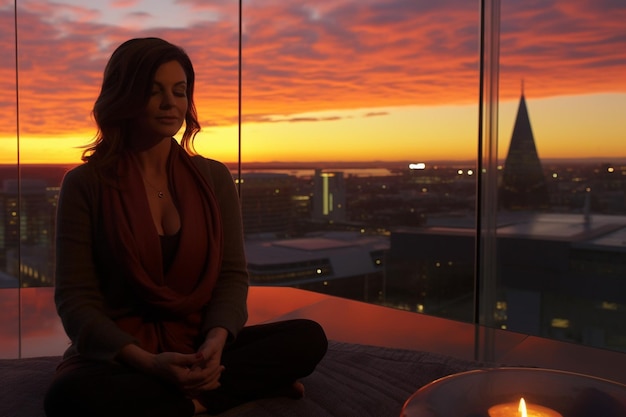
pixel 521 409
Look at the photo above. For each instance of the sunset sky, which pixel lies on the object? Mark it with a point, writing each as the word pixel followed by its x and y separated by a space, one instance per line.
pixel 327 80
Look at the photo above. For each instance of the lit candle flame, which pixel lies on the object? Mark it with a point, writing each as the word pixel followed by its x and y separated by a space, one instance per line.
pixel 522 408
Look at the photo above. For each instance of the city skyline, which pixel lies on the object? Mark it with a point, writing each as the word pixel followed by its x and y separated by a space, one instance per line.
pixel 335 80
pixel 599 235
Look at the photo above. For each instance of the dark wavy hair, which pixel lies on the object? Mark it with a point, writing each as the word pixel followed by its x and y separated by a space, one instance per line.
pixel 125 92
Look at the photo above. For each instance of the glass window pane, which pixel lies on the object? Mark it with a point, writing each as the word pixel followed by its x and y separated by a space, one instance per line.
pixel 359 143
pixel 9 216
pixel 563 180
pixel 63 49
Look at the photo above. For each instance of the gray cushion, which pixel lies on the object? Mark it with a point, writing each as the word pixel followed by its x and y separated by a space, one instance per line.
pixel 352 380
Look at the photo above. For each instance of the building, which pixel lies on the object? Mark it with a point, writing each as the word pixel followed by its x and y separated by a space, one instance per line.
pixel 560 275
pixel 27 222
pixel 523 185
pixel 329 196
pixel 345 264
pixel 267 203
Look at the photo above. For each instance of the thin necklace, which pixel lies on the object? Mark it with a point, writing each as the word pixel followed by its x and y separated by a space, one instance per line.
pixel 160 193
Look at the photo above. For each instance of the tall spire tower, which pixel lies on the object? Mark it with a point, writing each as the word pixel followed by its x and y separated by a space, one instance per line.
pixel 523 185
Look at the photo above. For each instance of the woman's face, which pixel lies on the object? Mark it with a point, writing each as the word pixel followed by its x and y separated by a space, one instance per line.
pixel 166 109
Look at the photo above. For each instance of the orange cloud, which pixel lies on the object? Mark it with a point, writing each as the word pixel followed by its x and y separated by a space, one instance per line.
pixel 559 48
pixel 324 56
pixel 355 55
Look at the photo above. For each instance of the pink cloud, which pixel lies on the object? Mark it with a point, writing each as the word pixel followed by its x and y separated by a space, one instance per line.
pixel 122 4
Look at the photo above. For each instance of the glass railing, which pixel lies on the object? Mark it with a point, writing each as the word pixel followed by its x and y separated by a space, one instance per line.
pixel 378 157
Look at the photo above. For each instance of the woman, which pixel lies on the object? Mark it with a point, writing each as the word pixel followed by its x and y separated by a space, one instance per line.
pixel 151 279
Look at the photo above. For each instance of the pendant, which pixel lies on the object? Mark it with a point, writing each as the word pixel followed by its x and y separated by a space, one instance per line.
pixel 160 194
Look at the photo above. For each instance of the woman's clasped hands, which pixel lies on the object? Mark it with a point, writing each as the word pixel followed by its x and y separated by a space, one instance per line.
pixel 192 373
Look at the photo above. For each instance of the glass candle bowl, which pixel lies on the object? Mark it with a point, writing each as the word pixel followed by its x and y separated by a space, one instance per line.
pixel 496 392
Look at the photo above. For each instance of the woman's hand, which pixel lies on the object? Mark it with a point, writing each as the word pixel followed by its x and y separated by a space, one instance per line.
pixel 208 368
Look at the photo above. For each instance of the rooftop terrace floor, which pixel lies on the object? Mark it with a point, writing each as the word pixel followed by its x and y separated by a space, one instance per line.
pixel 345 321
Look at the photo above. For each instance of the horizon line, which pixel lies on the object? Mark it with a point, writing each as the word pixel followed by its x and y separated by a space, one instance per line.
pixel 596 159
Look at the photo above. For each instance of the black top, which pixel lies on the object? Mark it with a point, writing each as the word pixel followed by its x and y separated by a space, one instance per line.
pixel 169 245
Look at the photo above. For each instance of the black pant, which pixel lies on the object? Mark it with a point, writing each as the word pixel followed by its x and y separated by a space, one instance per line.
pixel 265 360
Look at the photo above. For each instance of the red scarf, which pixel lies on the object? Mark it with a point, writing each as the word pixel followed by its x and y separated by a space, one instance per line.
pixel 169 306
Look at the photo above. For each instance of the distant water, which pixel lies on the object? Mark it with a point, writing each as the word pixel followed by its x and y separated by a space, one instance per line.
pixel 304 173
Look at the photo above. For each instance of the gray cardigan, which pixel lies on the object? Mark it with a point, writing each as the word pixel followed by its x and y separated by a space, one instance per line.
pixel 81 256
